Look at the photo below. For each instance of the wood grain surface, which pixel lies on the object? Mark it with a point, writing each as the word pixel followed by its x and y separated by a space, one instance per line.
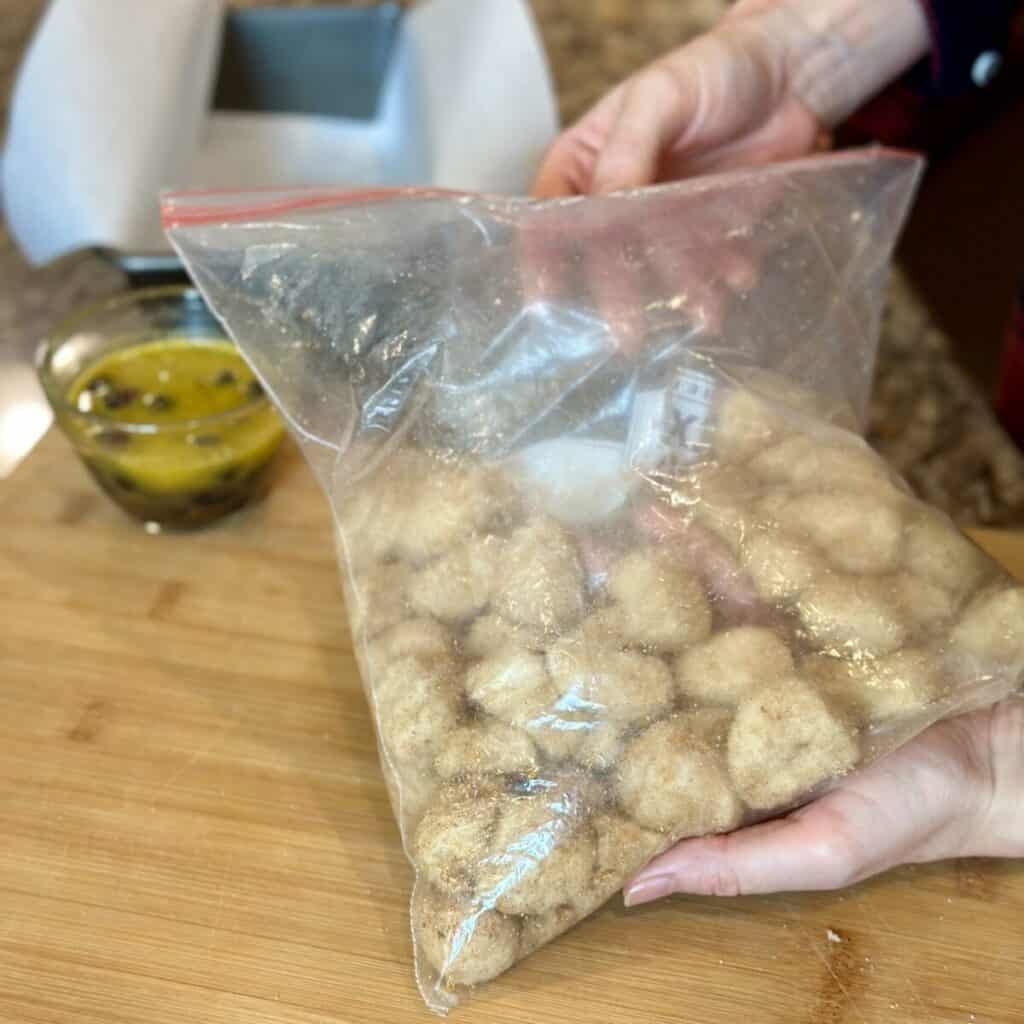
pixel 193 826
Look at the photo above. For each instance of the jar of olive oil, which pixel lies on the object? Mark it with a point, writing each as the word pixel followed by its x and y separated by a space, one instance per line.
pixel 160 406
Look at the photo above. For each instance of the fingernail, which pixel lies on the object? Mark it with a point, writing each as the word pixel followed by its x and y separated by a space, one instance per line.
pixel 645 890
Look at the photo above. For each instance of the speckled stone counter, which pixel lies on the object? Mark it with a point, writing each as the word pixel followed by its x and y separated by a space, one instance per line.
pixel 927 418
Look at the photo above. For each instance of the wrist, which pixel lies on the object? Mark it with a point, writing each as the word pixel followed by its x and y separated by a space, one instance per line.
pixel 846 51
pixel 1001 830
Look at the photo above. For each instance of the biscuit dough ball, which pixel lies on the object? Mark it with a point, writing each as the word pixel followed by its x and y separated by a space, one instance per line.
pixel 609 685
pixel 604 628
pixel 830 461
pixel 622 848
pixel 416 709
pixel 732 663
pixel 512 685
pixel 600 746
pixel 457 585
pixel 937 551
pixel 488 747
pixel 791 396
pixel 778 463
pixel 851 615
pixel 926 605
pixel 992 627
pixel 425 639
pixel 373 519
pixel 464 943
pixel 661 603
pixel 541 580
pixel 784 741
pixel 878 689
pixel 454 836
pixel 412 790
pixel 719 499
pixel 540 929
pixel 541 854
pixel 453 501
pixel 492 633
pixel 780 566
pixel 672 779
pixel 743 425
pixel 377 599
pixel 858 533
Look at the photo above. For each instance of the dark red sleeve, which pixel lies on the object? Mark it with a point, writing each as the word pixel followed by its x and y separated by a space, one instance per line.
pixel 976 56
pixel 969 43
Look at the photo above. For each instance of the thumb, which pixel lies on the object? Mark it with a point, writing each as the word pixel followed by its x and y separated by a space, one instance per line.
pixel 807 850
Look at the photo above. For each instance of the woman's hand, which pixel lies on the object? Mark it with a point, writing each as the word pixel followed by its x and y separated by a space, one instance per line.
pixel 957 790
pixel 765 84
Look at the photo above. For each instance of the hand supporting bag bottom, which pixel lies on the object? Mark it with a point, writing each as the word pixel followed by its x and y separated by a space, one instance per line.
pixel 619 568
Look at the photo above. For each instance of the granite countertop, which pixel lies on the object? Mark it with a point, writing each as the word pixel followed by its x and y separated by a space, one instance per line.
pixel 927 417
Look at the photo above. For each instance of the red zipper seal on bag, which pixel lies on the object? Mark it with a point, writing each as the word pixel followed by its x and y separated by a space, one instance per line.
pixel 176 208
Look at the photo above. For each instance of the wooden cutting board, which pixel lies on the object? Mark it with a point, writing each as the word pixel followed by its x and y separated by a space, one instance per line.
pixel 193 826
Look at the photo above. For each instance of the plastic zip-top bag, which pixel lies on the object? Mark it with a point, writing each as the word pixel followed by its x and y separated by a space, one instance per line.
pixel 619 568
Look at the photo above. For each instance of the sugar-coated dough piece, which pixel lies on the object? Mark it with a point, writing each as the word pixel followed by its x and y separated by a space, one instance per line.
pixel 465 943
pixel 783 741
pixel 858 533
pixel 492 633
pixel 604 628
pixel 672 779
pixel 488 747
pixel 937 551
pixel 780 566
pixel 806 461
pixel 600 746
pixel 377 598
pixel 726 667
pixel 457 586
pixel 512 685
pixel 661 602
pixel 451 502
pixel 540 929
pixel 558 732
pixel 877 689
pixel 373 518
pixel 792 396
pixel 719 499
pixel 617 686
pixel 454 835
pixel 417 708
pixel 992 627
pixel 415 790
pixel 926 605
pixel 541 580
pixel 623 848
pixel 426 639
pixel 852 616
pixel 743 426
pixel 541 855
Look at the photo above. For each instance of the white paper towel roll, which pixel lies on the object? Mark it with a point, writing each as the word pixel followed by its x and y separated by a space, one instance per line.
pixel 112 105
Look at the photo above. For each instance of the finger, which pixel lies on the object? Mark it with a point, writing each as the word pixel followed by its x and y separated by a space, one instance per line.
pixel 568 166
pixel 566 170
pixel 543 258
pixel 655 108
pixel 802 852
pixel 616 277
pixel 787 133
